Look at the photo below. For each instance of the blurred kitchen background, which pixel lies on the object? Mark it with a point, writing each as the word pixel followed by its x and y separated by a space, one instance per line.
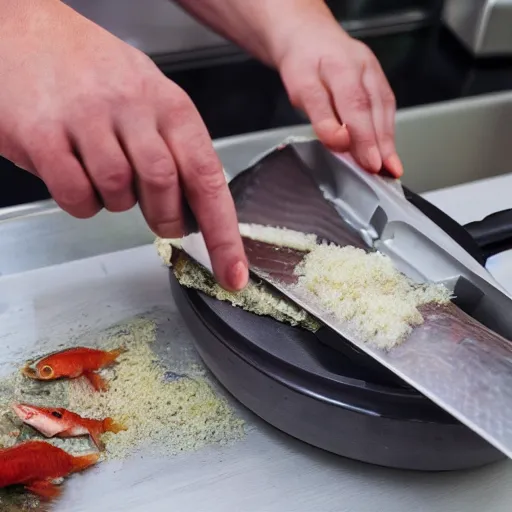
pixel 423 59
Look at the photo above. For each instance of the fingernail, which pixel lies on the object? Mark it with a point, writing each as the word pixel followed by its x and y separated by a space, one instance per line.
pixel 239 275
pixel 394 165
pixel 374 159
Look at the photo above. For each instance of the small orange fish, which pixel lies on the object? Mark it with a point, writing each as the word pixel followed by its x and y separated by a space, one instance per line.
pixel 63 423
pixel 73 363
pixel 37 464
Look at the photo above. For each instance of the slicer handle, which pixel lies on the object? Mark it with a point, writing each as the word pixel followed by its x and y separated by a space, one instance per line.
pixel 493 234
pixel 447 224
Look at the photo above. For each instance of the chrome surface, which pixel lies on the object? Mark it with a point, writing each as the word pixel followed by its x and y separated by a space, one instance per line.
pixel 484 26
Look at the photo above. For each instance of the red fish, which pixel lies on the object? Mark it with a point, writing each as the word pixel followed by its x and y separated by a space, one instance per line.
pixel 63 423
pixel 37 464
pixel 74 363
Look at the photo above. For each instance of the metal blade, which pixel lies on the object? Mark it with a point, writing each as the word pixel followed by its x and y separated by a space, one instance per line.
pixel 453 358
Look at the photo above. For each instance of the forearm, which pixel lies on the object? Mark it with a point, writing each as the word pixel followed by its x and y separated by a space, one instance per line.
pixel 262 27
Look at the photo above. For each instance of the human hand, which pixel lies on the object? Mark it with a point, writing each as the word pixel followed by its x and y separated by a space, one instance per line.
pixel 339 83
pixel 98 122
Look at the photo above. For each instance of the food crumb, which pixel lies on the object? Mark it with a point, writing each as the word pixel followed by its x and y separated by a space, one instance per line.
pixel 167 409
pixel 164 411
pixel 367 291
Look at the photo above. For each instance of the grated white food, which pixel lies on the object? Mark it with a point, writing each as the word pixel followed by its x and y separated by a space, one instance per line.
pixel 282 237
pixel 256 297
pixel 164 247
pixel 363 289
pixel 367 291
pixel 161 416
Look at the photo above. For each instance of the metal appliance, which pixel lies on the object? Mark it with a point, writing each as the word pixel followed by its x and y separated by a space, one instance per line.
pixel 483 26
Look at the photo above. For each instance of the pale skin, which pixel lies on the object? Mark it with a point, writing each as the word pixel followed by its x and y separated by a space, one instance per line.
pixel 97 121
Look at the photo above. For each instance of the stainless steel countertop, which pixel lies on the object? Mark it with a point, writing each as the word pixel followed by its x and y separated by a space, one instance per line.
pixel 266 471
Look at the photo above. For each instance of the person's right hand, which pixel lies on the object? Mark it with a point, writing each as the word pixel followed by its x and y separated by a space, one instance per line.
pixel 97 121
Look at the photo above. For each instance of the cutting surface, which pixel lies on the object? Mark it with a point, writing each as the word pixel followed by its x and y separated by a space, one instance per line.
pixel 265 471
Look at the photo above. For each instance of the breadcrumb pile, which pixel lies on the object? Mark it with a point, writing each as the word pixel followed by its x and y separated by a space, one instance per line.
pixel 256 297
pixel 367 291
pixel 164 412
pixel 362 289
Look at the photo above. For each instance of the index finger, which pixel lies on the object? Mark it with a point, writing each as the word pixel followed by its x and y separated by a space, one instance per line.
pixel 206 190
pixel 355 108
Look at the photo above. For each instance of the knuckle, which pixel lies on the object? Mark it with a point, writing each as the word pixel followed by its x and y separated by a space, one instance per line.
pixel 335 66
pixel 158 171
pixel 181 105
pixel 128 91
pixel 87 106
pixel 219 246
pixel 70 195
pixel 115 178
pixel 212 187
pixel 208 178
pixel 363 49
pixel 359 101
pixel 140 60
pixel 95 101
pixel 310 90
pixel 364 139
pixel 57 167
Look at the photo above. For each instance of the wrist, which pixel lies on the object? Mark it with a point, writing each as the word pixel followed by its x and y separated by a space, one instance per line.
pixel 299 22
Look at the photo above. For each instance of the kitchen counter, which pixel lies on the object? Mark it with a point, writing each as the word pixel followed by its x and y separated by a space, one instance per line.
pixel 267 471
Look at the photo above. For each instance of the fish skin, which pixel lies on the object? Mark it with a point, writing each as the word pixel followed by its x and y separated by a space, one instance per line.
pixel 36 464
pixel 74 363
pixel 62 423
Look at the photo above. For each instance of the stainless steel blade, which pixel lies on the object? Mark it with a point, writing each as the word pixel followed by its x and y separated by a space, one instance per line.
pixel 452 358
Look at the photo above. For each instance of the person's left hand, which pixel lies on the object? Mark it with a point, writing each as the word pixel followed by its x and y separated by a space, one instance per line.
pixel 339 83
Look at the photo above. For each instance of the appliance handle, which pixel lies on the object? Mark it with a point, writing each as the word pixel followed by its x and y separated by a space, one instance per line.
pixel 493 234
pixel 449 225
